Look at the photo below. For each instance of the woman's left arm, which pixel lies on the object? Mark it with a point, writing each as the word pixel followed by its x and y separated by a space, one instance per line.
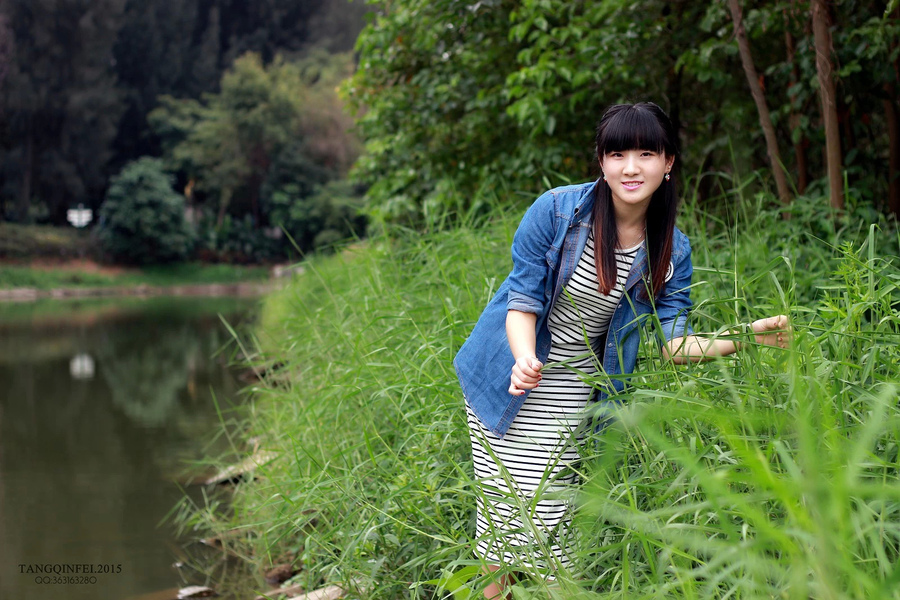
pixel 771 331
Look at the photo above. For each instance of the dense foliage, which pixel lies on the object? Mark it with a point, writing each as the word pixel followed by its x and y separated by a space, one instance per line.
pixel 142 220
pixel 81 78
pixel 455 98
pixel 263 155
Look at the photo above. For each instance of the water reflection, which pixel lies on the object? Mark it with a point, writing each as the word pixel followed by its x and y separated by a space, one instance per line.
pixel 100 410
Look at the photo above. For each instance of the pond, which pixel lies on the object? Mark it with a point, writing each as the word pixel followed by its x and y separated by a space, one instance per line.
pixel 104 405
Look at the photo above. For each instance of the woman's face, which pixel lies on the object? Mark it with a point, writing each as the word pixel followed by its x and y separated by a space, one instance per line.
pixel 633 175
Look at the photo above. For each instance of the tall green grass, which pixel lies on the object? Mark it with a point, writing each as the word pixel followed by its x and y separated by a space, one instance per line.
pixel 365 412
pixel 769 474
pixel 772 475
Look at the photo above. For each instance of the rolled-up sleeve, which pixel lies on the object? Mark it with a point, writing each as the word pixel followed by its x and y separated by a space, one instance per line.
pixel 674 304
pixel 531 244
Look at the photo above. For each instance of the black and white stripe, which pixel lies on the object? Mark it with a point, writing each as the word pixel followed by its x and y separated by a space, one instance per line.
pixel 525 480
pixel 590 315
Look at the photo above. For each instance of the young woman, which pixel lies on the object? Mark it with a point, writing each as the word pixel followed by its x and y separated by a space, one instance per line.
pixel 591 263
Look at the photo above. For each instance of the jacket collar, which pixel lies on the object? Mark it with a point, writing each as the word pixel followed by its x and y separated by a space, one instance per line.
pixel 639 266
pixel 585 203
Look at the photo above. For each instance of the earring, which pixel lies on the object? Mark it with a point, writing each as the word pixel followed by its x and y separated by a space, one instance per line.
pixel 604 178
pixel 668 177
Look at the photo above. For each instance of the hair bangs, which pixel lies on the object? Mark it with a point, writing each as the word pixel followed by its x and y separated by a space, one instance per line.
pixel 633 128
pixel 642 126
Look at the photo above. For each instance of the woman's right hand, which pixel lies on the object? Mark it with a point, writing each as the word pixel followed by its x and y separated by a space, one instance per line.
pixel 526 374
pixel 773 331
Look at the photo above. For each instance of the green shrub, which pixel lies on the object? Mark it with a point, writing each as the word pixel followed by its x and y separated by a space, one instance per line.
pixel 320 219
pixel 235 241
pixel 142 220
pixel 28 241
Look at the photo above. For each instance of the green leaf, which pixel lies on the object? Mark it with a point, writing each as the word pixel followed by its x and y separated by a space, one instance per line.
pixel 455 582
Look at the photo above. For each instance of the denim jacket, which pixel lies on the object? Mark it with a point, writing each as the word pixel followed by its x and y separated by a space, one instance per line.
pixel 545 251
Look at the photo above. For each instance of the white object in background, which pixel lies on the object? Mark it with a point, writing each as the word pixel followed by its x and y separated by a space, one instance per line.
pixel 79 217
pixel 82 366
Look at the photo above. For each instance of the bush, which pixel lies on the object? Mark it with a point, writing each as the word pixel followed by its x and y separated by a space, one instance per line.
pixel 318 220
pixel 239 241
pixel 29 241
pixel 142 220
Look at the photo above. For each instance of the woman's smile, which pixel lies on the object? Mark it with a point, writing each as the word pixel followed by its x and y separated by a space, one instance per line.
pixel 633 175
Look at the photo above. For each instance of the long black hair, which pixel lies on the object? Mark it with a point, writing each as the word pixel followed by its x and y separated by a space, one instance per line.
pixel 642 126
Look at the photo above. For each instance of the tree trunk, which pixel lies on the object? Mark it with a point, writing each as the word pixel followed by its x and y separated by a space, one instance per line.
pixel 27 176
pixel 57 206
pixel 224 201
pixel 822 37
pixel 794 118
pixel 765 120
pixel 893 127
pixel 7 38
pixel 675 75
pixel 673 87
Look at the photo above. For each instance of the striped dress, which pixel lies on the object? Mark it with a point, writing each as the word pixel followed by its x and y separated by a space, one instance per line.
pixel 525 483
